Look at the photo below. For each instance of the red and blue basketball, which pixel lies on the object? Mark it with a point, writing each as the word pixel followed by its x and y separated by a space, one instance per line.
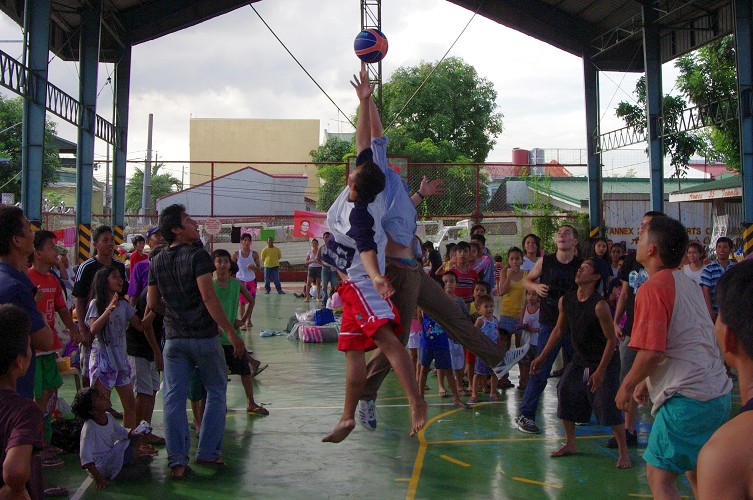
pixel 370 46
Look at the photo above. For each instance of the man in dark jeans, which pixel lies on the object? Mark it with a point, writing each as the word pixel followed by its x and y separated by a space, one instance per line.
pixel 182 276
pixel 556 275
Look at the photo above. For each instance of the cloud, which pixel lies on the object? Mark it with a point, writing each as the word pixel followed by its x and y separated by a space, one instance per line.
pixel 232 67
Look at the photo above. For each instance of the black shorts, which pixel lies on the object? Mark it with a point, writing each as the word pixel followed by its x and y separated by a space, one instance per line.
pixel 315 273
pixel 236 366
pixel 577 402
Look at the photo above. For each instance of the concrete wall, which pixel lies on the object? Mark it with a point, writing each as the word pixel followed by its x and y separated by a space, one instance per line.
pixel 253 140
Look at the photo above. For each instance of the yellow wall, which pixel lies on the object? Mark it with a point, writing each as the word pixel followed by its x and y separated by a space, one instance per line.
pixel 68 194
pixel 253 140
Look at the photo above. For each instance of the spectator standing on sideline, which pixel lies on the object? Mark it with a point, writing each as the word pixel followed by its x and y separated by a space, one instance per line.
pixel 270 257
pixel 248 263
pixel 551 277
pixel 724 462
pixel 329 274
pixel 181 275
pixel 104 245
pixel 20 418
pixel 678 364
pixel 138 255
pixel 632 275
pixel 16 244
pixel 140 272
pixel 713 271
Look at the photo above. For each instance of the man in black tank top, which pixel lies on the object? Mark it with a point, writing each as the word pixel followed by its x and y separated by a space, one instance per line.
pixel 724 470
pixel 556 276
pixel 592 378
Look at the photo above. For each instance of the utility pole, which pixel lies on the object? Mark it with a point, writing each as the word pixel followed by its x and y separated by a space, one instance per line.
pixel 147 190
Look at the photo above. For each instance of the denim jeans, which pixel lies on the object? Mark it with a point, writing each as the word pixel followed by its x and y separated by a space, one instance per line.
pixel 272 273
pixel 538 380
pixel 181 357
pixel 329 277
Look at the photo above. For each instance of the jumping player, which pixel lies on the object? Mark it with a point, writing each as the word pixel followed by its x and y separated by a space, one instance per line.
pixel 357 249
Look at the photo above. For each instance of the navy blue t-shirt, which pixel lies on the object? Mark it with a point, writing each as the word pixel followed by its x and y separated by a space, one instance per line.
pixel 16 288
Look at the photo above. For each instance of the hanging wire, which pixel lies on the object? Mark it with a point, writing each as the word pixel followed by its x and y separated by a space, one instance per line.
pixel 481 4
pixel 301 65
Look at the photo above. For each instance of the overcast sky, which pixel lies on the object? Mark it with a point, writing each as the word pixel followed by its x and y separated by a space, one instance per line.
pixel 232 67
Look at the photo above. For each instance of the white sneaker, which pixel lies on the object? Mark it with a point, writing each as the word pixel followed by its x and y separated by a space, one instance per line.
pixel 510 360
pixel 367 414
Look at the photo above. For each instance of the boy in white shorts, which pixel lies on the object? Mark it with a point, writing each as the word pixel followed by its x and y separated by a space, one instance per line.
pixel 356 249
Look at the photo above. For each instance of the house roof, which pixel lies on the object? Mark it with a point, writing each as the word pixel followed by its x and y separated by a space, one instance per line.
pixel 713 169
pixel 574 190
pixel 235 172
pixel 502 171
pixel 729 186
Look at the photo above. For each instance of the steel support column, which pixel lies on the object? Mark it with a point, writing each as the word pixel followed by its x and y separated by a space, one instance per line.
pixel 37 28
pixel 122 97
pixel 591 87
pixel 652 59
pixel 744 62
pixel 88 66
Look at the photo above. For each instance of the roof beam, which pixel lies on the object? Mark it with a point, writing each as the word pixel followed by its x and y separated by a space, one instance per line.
pixel 156 19
pixel 536 19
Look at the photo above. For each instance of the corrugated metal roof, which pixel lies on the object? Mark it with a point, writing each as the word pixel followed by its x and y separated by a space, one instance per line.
pixel 728 182
pixel 575 189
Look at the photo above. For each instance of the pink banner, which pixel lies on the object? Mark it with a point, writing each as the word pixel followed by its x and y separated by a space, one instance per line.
pixel 309 224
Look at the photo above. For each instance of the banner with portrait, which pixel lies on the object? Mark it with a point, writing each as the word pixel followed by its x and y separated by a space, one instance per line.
pixel 309 224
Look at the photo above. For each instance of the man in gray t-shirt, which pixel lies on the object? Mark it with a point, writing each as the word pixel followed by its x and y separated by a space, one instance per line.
pixel 182 276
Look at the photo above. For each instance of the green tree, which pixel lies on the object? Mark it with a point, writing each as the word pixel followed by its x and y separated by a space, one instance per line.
pixel 162 185
pixel 452 119
pixel 334 149
pixel 455 107
pixel 680 146
pixel 331 177
pixel 11 116
pixel 708 75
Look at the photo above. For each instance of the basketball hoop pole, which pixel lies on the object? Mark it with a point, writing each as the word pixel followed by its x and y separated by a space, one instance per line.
pixel 371 18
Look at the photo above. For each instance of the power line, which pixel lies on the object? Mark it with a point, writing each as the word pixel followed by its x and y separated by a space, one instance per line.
pixel 301 65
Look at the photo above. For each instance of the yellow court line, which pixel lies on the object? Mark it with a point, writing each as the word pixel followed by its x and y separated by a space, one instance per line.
pixel 422 446
pixel 405 479
pixel 531 481
pixel 454 461
pixel 514 440
pixel 644 495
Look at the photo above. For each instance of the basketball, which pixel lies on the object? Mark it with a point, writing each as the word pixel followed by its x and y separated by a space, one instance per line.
pixel 370 46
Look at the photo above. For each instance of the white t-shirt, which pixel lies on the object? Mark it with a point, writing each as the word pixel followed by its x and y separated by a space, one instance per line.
pixel 104 445
pixel 532 320
pixel 528 264
pixel 694 275
pixel 341 250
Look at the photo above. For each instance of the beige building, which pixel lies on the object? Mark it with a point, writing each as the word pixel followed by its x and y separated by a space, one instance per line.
pixel 247 141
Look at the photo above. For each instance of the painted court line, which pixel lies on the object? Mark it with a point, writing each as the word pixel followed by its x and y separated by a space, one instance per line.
pixel 646 495
pixel 454 461
pixel 514 440
pixel 82 489
pixel 531 481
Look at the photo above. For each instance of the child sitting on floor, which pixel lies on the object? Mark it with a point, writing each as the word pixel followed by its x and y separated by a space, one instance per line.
pixel 105 444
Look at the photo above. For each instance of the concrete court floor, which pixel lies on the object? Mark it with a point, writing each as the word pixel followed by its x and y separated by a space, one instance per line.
pixel 460 454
